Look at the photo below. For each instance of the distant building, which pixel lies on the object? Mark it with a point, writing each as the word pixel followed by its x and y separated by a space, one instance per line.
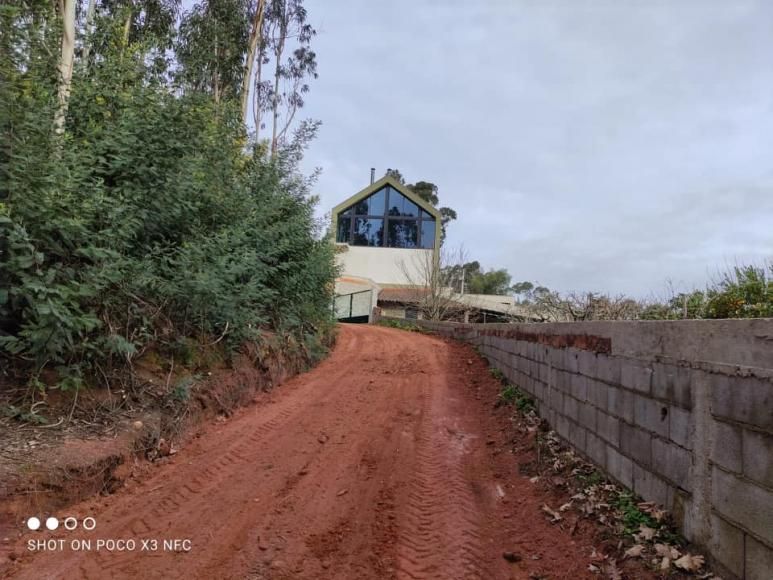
pixel 387 240
pixel 385 235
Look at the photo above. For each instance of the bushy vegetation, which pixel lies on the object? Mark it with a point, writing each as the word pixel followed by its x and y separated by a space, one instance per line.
pixel 402 325
pixel 150 216
pixel 744 291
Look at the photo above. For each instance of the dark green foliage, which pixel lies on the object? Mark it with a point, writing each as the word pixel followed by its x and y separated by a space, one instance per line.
pixel 149 220
pixel 743 292
pixel 512 395
pixel 402 325
pixel 632 517
pixel 210 47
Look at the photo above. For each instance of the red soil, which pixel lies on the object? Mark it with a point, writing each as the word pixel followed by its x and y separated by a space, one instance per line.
pixel 383 462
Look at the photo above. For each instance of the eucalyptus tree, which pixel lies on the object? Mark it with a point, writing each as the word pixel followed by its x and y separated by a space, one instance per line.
pixel 254 54
pixel 293 63
pixel 211 47
pixel 149 26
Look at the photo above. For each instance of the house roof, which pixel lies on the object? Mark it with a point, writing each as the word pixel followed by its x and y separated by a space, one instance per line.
pixel 506 305
pixel 408 294
pixel 376 185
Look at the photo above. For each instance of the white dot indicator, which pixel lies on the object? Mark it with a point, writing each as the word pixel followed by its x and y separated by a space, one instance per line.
pixel 33 523
pixel 52 523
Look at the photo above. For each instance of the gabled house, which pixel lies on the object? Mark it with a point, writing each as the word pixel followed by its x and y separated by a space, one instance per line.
pixel 386 237
pixel 388 246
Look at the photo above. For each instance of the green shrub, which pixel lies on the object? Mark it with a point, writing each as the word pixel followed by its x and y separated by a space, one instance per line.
pixel 152 219
pixel 402 325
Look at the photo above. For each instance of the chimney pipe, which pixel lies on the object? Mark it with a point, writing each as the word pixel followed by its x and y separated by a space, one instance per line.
pixel 372 175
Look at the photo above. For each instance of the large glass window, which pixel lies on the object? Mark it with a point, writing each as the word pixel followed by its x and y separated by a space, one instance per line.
pixel 372 205
pixel 401 205
pixel 344 233
pixel 428 233
pixel 368 232
pixel 386 218
pixel 403 233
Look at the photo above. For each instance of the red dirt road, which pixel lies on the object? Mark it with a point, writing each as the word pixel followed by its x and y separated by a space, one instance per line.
pixel 382 462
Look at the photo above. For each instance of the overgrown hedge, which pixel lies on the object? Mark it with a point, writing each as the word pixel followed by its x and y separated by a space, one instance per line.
pixel 149 220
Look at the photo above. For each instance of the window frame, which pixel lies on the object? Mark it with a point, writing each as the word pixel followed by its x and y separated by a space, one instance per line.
pixel 422 216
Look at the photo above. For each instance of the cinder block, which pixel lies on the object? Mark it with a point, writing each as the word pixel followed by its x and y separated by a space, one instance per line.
pixel 509 373
pixel 758 457
pixel 596 449
pixel 588 416
pixel 562 426
pixel 745 399
pixel 672 383
pixel 759 560
pixel 578 386
pixel 587 363
pixel 679 426
pixel 651 415
pixel 571 408
pixel 608 369
pixel 743 502
pixel 727 545
pixel 557 358
pixel 726 446
pixel 620 403
pixel 543 372
pixel 571 362
pixel 608 428
pixel 597 393
pixel 556 401
pixel 651 487
pixel 673 462
pixel 577 437
pixel 636 443
pixel 636 375
pixel 620 467
pixel 560 380
pixel 537 390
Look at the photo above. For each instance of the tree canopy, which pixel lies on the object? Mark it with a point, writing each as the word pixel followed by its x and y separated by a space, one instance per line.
pixel 136 208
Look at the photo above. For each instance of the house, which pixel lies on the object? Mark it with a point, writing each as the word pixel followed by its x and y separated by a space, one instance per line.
pixel 388 242
pixel 386 237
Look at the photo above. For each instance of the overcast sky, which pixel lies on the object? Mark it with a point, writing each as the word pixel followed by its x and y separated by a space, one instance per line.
pixel 587 145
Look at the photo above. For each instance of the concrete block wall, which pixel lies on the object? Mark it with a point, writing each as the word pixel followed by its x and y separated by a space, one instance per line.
pixel 681 412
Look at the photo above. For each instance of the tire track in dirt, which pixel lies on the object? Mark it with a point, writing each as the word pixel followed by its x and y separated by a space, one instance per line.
pixel 440 537
pixel 371 466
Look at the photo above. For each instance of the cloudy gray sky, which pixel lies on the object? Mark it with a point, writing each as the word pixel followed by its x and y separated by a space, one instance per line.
pixel 585 144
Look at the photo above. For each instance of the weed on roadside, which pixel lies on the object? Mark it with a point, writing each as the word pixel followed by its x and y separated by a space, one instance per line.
pixel 634 529
pixel 402 325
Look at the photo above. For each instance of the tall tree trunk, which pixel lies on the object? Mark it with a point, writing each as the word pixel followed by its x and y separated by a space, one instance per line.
pixel 278 50
pixel 258 102
pixel 65 62
pixel 275 103
pixel 256 37
pixel 90 11
pixel 215 74
pixel 127 27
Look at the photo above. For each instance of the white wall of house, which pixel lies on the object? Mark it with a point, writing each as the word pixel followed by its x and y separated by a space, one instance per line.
pixel 384 265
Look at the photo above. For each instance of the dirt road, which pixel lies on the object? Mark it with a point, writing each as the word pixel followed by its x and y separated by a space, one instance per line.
pixel 382 462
